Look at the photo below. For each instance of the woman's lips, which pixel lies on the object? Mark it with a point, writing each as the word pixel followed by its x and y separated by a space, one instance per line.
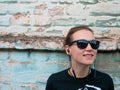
pixel 88 55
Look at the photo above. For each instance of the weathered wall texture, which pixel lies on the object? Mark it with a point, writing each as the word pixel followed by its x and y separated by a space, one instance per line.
pixel 32 33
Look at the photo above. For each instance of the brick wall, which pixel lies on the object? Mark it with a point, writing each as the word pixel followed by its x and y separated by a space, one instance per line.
pixel 31 35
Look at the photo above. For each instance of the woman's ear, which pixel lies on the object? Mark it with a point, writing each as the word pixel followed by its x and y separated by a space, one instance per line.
pixel 66 47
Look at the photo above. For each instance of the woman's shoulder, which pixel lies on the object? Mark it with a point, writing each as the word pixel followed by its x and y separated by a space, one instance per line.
pixel 101 75
pixel 58 75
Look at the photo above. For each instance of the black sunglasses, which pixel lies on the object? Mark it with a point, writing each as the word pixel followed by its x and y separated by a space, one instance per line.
pixel 82 44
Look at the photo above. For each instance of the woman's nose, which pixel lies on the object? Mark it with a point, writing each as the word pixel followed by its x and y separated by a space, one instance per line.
pixel 88 47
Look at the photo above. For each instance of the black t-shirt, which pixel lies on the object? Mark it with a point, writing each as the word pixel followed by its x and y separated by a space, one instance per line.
pixel 94 81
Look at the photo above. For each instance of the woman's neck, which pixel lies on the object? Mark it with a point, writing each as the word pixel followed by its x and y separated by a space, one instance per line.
pixel 79 71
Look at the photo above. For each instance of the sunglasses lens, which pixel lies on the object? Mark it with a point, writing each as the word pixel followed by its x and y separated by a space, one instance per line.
pixel 94 44
pixel 82 44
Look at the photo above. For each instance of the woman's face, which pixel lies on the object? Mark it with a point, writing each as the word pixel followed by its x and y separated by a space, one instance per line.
pixel 84 56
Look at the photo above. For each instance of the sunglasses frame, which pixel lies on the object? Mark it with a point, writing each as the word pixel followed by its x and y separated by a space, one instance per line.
pixel 93 43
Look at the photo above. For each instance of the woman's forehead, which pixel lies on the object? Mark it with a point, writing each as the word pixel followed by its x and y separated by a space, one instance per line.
pixel 83 34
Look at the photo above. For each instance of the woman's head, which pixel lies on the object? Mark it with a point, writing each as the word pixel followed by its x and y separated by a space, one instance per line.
pixel 80 45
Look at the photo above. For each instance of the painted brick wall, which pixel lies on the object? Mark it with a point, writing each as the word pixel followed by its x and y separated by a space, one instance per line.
pixel 32 32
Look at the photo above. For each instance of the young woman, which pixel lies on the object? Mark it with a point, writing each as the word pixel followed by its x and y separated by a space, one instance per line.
pixel 81 46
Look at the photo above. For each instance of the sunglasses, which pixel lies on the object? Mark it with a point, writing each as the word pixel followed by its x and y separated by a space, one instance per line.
pixel 82 44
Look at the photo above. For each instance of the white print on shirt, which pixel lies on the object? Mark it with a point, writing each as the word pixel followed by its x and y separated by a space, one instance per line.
pixel 90 87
